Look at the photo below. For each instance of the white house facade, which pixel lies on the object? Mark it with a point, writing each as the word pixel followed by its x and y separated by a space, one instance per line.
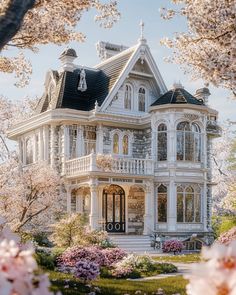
pixel 134 156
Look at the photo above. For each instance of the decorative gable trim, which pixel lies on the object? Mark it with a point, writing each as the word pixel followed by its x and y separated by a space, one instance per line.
pixel 142 51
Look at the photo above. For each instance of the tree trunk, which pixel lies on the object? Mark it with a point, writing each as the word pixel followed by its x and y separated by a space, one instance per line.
pixel 11 21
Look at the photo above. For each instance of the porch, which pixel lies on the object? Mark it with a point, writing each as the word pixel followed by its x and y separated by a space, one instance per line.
pixel 125 209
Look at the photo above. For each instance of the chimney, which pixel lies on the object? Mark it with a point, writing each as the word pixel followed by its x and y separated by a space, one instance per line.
pixel 67 57
pixel 203 93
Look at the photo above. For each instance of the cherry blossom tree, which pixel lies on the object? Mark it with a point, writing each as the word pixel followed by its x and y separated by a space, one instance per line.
pixel 28 24
pixel 10 114
pixel 18 266
pixel 207 49
pixel 224 174
pixel 29 196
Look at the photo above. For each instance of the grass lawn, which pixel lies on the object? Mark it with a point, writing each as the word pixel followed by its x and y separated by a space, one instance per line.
pixel 71 286
pixel 184 258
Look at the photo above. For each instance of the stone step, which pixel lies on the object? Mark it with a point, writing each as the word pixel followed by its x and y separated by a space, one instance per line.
pixel 133 244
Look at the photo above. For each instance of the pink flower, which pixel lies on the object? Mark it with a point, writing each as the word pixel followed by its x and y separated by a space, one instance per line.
pixel 217 275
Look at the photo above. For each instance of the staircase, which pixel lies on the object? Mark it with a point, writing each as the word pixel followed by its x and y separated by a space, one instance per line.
pixel 133 243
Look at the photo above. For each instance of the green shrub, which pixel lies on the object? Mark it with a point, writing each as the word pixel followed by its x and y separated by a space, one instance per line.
pixel 41 238
pixel 45 260
pixel 165 268
pixel 221 224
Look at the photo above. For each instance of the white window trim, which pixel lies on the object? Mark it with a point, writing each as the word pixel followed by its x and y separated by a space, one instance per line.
pixel 121 135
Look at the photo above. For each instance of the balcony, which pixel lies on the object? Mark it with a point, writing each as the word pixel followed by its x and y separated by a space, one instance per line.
pixel 213 129
pixel 108 164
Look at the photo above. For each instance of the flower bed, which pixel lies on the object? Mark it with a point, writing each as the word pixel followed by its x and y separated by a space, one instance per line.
pixel 172 246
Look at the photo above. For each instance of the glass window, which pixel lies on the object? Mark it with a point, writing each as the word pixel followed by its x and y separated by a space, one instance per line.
pixel 188 144
pixel 188 204
pixel 162 143
pixel 125 145
pixel 116 144
pixel 128 97
pixel 141 99
pixel 162 203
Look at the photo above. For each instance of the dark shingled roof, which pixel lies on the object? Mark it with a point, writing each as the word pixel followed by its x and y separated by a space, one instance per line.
pixel 177 96
pixel 67 94
pixel 100 81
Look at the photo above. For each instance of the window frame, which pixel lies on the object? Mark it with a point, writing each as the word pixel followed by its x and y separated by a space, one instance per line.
pixel 161 132
pixel 196 197
pixel 127 87
pixel 142 96
pixel 157 206
pixel 189 150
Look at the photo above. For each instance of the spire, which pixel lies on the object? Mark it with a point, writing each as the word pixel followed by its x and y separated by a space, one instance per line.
pixel 142 39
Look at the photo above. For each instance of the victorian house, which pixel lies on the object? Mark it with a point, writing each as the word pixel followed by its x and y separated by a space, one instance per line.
pixel 134 155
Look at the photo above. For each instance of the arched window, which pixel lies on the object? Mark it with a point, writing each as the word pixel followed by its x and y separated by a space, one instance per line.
pixel 162 143
pixel 128 97
pixel 125 144
pixel 162 203
pixel 188 204
pixel 29 151
pixel 188 142
pixel 141 99
pixel 116 143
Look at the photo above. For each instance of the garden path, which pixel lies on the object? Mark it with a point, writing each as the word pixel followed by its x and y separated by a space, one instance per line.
pixel 183 269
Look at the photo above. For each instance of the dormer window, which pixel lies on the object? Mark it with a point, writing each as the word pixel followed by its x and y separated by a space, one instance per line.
pixel 128 97
pixel 141 100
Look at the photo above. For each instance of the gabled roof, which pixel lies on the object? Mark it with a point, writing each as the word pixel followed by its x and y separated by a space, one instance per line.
pixel 177 96
pixel 139 51
pixel 103 81
pixel 114 66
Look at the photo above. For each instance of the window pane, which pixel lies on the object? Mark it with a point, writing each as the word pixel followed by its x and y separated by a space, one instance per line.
pixel 180 208
pixel 180 145
pixel 125 145
pixel 197 147
pixel 162 205
pixel 116 144
pixel 128 93
pixel 141 100
pixel 189 146
pixel 162 146
pixel 189 208
pixel 197 208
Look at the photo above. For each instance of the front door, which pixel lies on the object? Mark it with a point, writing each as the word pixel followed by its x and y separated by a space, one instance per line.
pixel 114 208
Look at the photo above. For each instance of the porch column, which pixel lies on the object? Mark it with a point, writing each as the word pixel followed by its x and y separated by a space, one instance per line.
pixel 148 216
pixel 68 200
pixel 172 198
pixel 41 147
pixel 99 141
pixel 53 146
pixel 45 142
pixel 93 217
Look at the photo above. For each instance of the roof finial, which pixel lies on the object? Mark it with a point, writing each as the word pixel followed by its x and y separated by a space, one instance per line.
pixel 142 39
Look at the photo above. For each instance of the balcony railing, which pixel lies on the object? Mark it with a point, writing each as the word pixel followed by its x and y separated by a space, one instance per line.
pixel 108 164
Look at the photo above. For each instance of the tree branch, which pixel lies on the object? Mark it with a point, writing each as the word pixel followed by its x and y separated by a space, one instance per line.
pixel 11 21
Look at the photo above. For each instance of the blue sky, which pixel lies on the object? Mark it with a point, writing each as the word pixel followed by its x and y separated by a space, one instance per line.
pixel 125 32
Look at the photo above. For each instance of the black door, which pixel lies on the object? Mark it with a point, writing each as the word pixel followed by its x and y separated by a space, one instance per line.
pixel 114 208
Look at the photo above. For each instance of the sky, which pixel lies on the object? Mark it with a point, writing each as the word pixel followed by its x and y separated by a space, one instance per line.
pixel 126 32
